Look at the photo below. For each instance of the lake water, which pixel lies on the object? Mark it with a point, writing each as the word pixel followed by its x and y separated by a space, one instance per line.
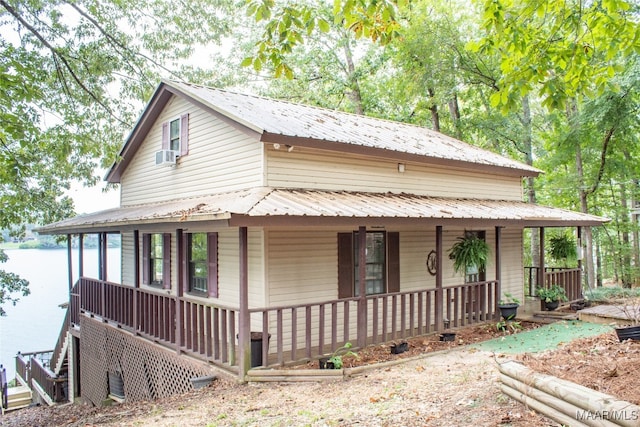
pixel 35 322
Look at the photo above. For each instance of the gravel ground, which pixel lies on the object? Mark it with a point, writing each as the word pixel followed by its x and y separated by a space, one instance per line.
pixel 451 388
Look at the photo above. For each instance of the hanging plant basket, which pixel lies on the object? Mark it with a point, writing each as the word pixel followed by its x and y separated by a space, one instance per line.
pixel 469 251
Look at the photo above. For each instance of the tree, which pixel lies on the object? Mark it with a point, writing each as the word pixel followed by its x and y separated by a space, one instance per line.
pixel 72 78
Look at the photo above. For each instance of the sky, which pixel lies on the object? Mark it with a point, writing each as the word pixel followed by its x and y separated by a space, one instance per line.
pixel 93 199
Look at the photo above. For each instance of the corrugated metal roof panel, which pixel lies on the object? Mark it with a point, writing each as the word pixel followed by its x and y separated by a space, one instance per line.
pixel 266 115
pixel 266 202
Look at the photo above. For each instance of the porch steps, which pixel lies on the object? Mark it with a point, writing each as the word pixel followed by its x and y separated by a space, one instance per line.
pixel 61 357
pixel 18 397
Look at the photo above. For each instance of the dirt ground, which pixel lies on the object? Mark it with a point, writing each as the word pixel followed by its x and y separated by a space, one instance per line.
pixel 440 384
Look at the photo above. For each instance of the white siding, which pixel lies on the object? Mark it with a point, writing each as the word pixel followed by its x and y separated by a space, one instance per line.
pixel 221 158
pixel 340 171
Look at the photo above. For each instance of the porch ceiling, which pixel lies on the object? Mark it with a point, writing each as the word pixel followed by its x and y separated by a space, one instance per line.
pixel 278 206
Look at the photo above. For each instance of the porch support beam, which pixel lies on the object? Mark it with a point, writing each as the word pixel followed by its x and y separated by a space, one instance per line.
pixel 362 286
pixel 136 280
pixel 541 270
pixel 498 261
pixel 439 320
pixel 69 261
pixel 244 318
pixel 182 264
pixel 80 255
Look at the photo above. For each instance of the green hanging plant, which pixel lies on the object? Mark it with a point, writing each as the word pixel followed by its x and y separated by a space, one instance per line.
pixel 469 251
pixel 562 248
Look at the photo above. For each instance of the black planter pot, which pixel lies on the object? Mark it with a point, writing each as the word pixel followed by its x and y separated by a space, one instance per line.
pixel 508 311
pixel 447 336
pixel 325 364
pixel 550 306
pixel 628 333
pixel 399 348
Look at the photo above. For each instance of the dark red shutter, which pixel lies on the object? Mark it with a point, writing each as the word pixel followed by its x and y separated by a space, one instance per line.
pixel 166 260
pixel 393 262
pixel 146 261
pixel 345 265
pixel 184 134
pixel 212 258
pixel 165 135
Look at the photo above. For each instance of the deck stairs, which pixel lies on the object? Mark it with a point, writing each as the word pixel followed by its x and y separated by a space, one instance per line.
pixel 17 397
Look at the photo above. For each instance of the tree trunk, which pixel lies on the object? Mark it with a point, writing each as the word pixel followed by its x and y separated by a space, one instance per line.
pixel 454 111
pixel 435 117
pixel 625 267
pixel 353 89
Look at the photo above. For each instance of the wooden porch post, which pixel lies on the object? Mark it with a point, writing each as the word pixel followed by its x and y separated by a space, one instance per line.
pixel 580 252
pixel 80 255
pixel 362 287
pixel 541 269
pixel 69 261
pixel 100 264
pixel 136 280
pixel 439 321
pixel 182 265
pixel 244 320
pixel 498 290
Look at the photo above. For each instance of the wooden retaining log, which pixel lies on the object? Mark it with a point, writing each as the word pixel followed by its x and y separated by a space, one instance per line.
pixel 295 375
pixel 559 399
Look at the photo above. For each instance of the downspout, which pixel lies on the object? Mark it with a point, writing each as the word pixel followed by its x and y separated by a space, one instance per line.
pixel 541 269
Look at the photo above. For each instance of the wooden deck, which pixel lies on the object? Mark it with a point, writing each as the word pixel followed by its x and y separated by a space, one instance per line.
pixel 606 314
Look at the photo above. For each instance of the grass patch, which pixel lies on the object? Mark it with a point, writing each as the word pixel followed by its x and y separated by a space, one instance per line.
pixel 609 294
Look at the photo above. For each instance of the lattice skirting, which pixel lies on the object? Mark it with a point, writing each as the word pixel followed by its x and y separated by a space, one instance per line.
pixel 147 370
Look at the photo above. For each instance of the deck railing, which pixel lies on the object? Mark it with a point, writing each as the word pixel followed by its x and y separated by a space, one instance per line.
pixel 291 333
pixel 199 329
pixel 36 367
pixel 49 382
pixel 569 278
pixel 57 351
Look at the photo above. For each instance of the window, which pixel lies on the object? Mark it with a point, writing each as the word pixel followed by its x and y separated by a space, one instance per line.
pixel 202 256
pixel 175 135
pixel 376 261
pixel 156 260
pixel 382 258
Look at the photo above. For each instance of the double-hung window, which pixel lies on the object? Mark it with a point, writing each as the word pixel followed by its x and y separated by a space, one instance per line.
pixel 156 259
pixel 175 135
pixel 382 263
pixel 202 263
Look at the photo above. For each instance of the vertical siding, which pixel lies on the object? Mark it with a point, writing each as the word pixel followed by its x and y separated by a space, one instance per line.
pixel 341 171
pixel 221 158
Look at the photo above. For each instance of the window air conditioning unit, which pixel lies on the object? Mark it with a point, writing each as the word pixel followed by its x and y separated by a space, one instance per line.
pixel 166 157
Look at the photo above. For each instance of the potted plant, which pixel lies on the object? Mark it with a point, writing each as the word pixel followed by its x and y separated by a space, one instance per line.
pixel 335 360
pixel 508 306
pixel 469 252
pixel 631 312
pixel 551 296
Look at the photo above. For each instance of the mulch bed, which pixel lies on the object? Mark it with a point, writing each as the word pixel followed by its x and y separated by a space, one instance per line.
pixel 428 344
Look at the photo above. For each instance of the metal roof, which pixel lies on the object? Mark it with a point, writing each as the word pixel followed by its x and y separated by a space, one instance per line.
pixel 274 117
pixel 260 206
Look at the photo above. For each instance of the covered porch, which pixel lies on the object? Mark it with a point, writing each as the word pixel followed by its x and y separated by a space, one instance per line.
pixel 221 334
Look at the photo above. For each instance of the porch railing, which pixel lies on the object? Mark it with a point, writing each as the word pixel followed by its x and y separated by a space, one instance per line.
pixel 289 333
pixel 35 368
pixel 202 330
pixel 569 278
